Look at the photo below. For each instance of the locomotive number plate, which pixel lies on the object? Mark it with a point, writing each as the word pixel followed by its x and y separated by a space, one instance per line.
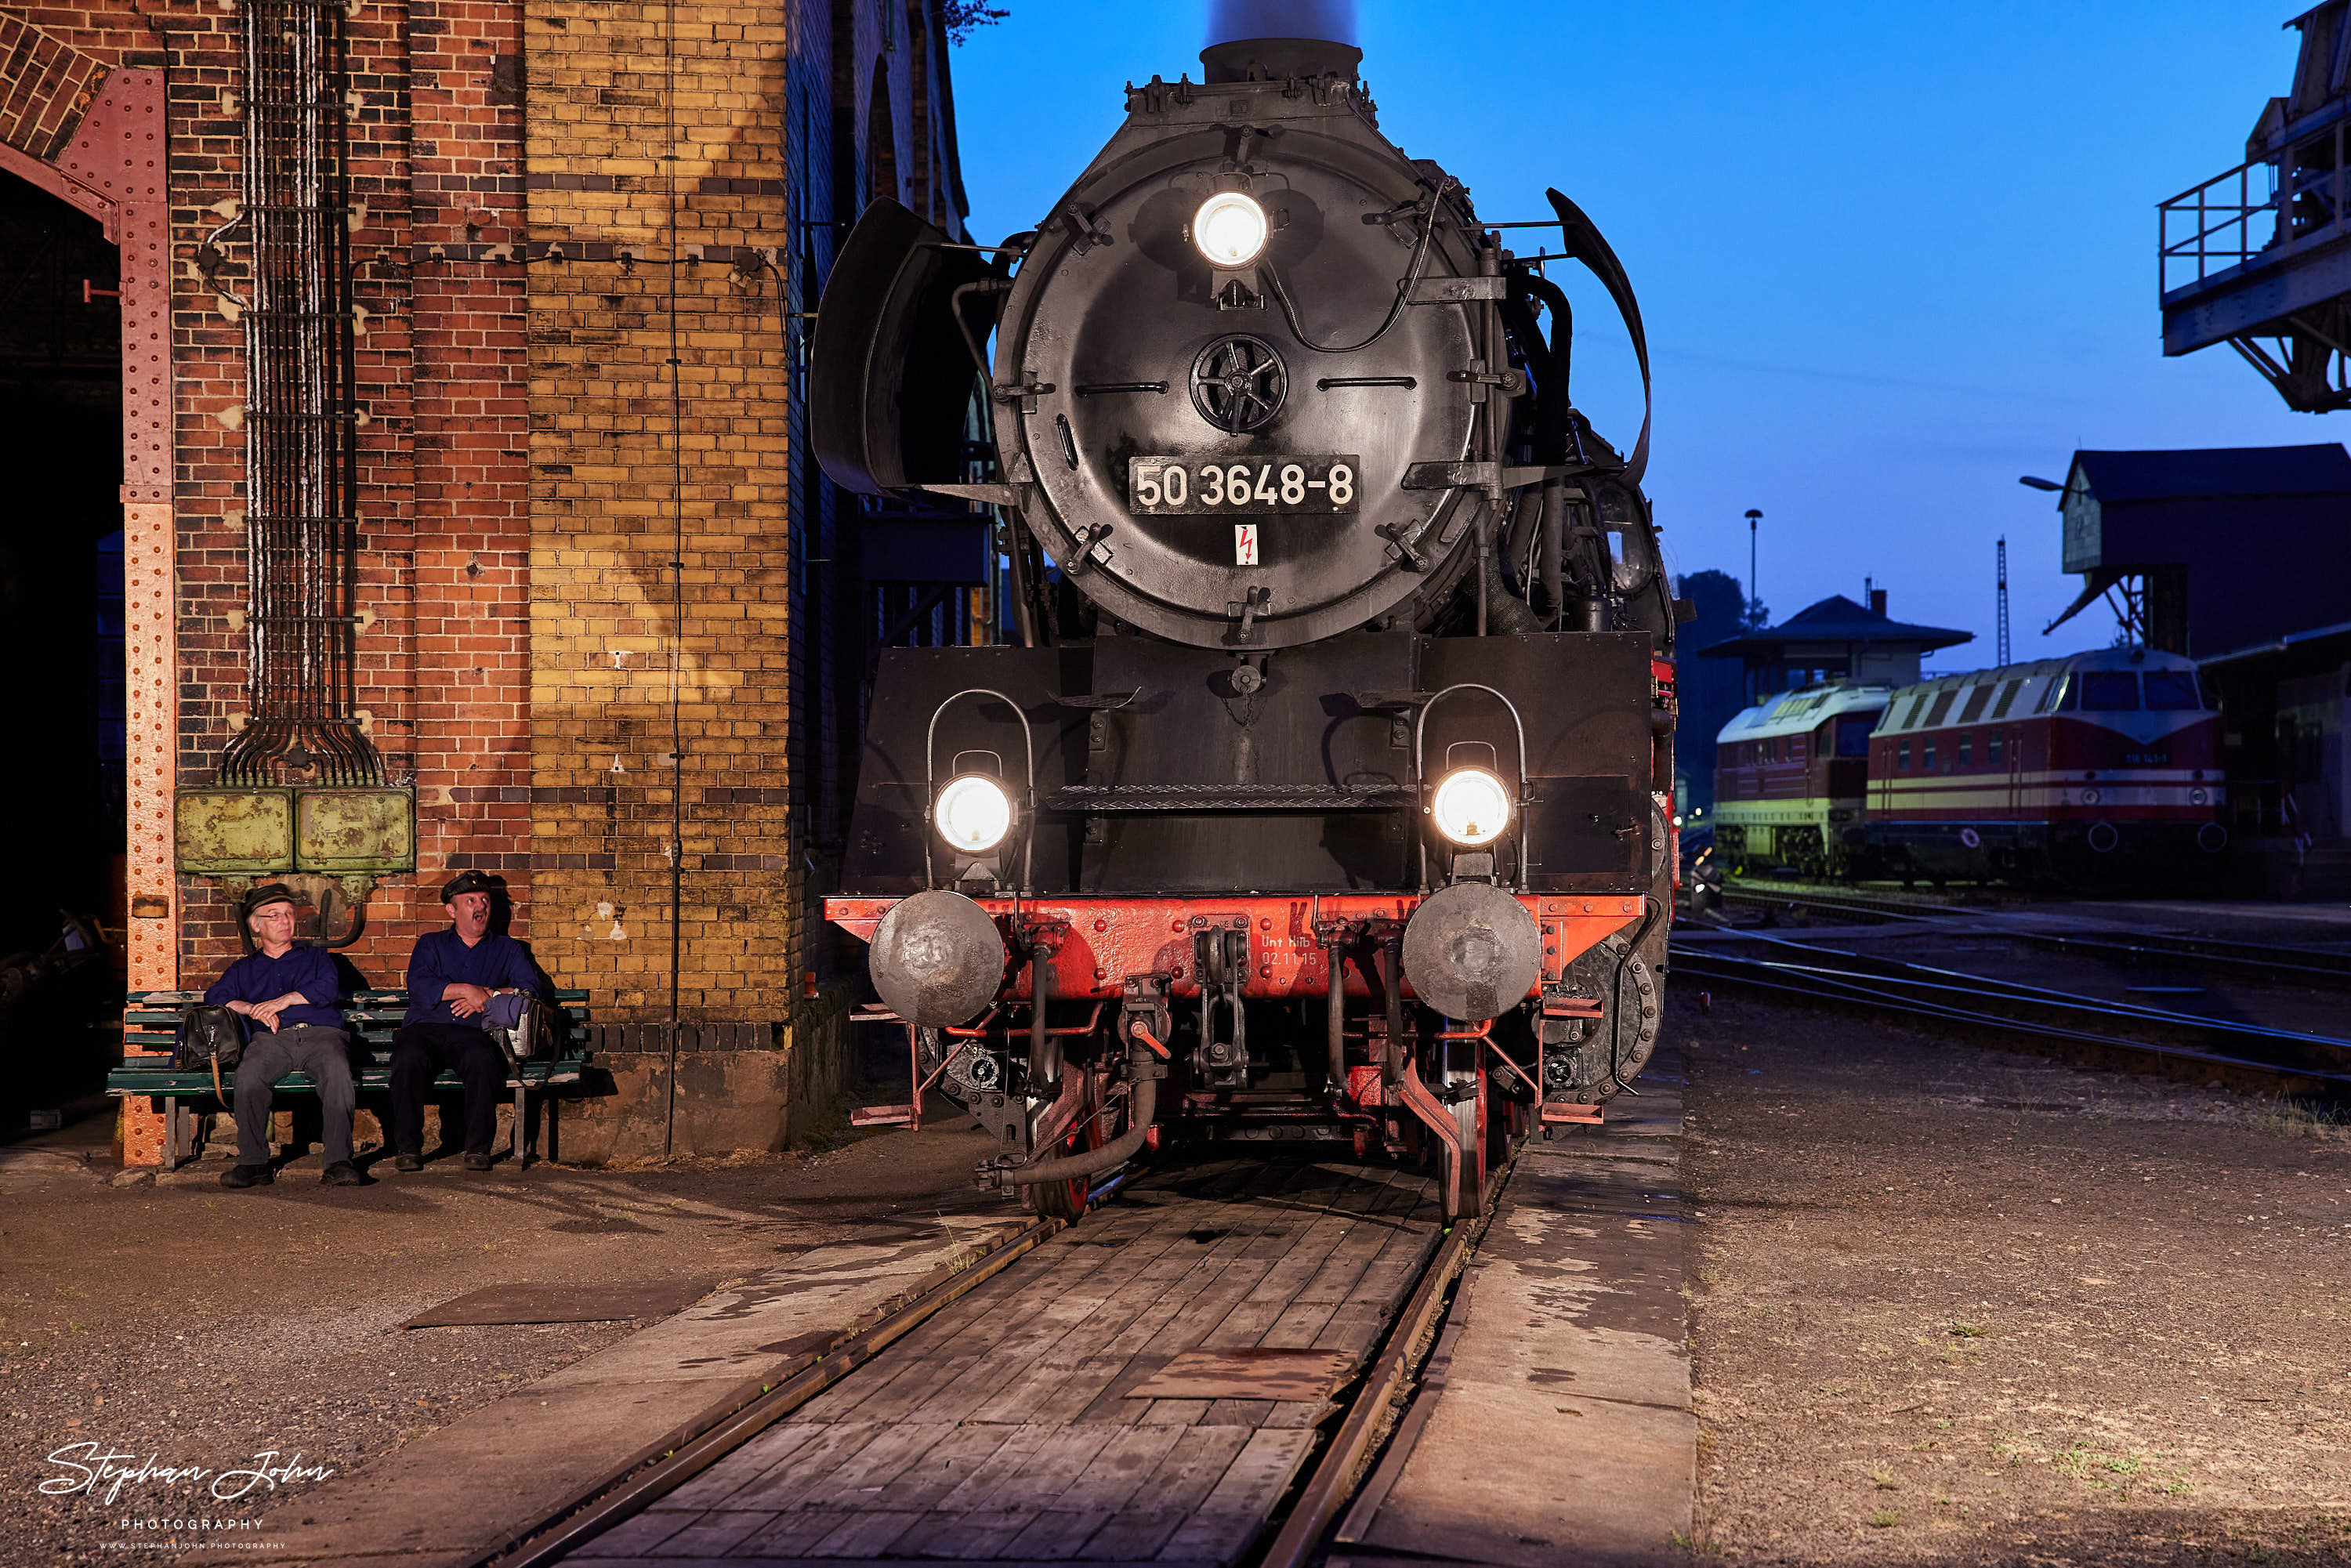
pixel 1181 486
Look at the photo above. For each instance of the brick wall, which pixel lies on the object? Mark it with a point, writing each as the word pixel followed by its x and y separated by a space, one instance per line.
pixel 527 259
pixel 46 82
pixel 754 666
pixel 637 464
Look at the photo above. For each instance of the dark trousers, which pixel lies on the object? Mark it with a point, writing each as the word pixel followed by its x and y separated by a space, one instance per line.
pixel 325 1055
pixel 420 1052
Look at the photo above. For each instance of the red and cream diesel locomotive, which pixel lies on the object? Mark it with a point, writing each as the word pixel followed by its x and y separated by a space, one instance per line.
pixel 2091 766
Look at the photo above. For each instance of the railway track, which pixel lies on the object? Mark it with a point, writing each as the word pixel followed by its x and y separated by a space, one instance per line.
pixel 2121 1034
pixel 1251 1335
pixel 2263 962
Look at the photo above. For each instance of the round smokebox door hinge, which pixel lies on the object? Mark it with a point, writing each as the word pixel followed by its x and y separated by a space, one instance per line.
pixel 1239 383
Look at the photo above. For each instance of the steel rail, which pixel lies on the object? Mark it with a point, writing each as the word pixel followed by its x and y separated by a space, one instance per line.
pixel 1836 962
pixel 636 1484
pixel 1895 994
pixel 1379 1402
pixel 1858 903
pixel 2301 966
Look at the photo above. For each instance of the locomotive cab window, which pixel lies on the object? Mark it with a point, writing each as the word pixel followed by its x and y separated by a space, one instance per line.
pixel 2062 695
pixel 2172 691
pixel 2110 691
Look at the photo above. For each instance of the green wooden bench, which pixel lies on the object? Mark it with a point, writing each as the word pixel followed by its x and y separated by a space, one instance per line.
pixel 151 1020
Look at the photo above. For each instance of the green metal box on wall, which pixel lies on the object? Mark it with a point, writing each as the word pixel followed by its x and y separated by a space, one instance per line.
pixel 355 830
pixel 251 832
pixel 235 832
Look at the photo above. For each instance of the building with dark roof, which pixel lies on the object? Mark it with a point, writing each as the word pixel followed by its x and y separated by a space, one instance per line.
pixel 1833 640
pixel 2202 551
pixel 2286 741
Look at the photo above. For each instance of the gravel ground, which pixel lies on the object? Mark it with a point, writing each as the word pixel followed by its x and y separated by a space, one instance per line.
pixel 203 1326
pixel 1957 1306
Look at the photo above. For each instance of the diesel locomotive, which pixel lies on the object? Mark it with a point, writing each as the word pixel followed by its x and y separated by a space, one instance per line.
pixel 1321 794
pixel 2089 766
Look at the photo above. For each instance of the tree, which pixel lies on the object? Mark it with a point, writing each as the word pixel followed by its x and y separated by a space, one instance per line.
pixel 960 16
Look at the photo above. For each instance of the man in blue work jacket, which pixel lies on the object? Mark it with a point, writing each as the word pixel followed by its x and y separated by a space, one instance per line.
pixel 287 995
pixel 452 977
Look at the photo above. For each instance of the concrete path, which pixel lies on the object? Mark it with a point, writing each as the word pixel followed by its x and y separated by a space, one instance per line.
pixel 1554 1425
pixel 445 1498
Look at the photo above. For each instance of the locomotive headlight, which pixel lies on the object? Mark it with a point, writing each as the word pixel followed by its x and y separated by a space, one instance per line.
pixel 1229 229
pixel 1471 808
pixel 972 814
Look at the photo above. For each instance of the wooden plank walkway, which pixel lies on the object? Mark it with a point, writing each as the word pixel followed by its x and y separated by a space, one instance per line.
pixel 1002 1429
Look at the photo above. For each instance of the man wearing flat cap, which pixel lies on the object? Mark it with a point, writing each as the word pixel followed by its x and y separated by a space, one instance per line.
pixel 287 995
pixel 453 978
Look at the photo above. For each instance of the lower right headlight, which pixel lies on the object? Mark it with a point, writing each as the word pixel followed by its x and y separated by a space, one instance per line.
pixel 1471 808
pixel 972 814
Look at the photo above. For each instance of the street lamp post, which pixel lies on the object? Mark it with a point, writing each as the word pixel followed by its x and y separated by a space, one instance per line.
pixel 1753 599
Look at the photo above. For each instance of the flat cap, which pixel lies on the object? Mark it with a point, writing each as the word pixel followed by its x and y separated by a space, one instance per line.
pixel 465 882
pixel 261 896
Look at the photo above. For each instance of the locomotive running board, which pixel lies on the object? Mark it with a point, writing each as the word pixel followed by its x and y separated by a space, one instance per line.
pixel 1584 1115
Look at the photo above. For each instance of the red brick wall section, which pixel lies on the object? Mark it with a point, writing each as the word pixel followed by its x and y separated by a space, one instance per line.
pixel 45 85
pixel 470 663
pixel 443 687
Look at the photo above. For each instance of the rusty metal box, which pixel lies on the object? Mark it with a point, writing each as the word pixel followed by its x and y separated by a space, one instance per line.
pixel 234 832
pixel 355 830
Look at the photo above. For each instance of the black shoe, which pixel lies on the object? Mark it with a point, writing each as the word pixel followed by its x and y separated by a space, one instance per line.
pixel 408 1162
pixel 248 1176
pixel 477 1162
pixel 342 1173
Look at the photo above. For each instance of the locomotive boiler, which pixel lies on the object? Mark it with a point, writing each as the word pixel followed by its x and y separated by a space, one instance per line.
pixel 1323 794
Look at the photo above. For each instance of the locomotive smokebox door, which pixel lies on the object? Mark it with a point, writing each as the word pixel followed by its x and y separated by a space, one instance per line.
pixel 892 357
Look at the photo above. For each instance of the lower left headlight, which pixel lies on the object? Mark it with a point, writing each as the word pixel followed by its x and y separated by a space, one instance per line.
pixel 972 814
pixel 1471 807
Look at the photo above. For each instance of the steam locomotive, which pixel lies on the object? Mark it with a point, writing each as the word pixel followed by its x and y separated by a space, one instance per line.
pixel 2088 766
pixel 1323 798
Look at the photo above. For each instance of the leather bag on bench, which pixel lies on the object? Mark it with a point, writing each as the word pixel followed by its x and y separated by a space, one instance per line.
pixel 209 1036
pixel 524 1028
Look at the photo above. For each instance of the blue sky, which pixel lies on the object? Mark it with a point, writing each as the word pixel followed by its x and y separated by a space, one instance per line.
pixel 1890 256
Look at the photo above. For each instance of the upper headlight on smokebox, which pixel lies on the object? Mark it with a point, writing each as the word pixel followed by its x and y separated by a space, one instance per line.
pixel 1472 807
pixel 972 814
pixel 1229 229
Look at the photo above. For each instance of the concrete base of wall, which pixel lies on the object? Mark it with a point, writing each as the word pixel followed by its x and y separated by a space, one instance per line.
pixel 738 1098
